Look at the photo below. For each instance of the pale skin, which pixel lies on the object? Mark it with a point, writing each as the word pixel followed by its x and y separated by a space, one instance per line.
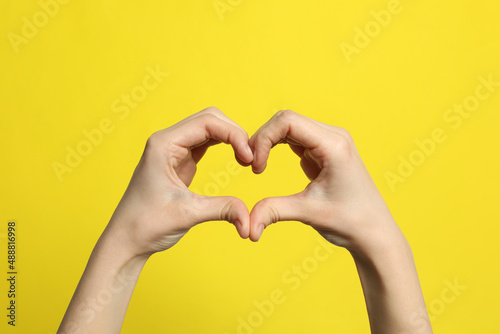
pixel 341 202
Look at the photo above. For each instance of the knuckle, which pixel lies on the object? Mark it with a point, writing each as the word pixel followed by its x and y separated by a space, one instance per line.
pixel 208 118
pixel 274 215
pixel 226 210
pixel 342 146
pixel 286 114
pixel 213 110
pixel 153 141
pixel 160 145
pixel 271 213
pixel 344 132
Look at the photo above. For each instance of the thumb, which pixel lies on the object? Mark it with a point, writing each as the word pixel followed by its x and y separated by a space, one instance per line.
pixel 227 208
pixel 273 209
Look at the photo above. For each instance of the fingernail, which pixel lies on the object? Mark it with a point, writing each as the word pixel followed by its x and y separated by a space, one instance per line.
pixel 260 229
pixel 249 150
pixel 238 224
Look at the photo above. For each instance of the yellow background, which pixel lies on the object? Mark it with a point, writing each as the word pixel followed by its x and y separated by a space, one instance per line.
pixel 253 59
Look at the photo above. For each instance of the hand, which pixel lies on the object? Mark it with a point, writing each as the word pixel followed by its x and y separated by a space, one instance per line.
pixel 341 202
pixel 157 208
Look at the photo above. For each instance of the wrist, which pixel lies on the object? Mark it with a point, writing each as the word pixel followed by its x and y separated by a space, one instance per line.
pixel 384 260
pixel 383 242
pixel 113 252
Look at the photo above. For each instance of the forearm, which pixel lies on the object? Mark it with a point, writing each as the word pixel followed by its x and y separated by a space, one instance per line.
pixel 104 291
pixel 391 287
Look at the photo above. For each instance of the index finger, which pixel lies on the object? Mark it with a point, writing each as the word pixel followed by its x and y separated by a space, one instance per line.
pixel 206 127
pixel 287 126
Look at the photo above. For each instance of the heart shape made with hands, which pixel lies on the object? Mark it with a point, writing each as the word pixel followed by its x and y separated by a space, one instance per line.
pixel 339 202
pixel 265 212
